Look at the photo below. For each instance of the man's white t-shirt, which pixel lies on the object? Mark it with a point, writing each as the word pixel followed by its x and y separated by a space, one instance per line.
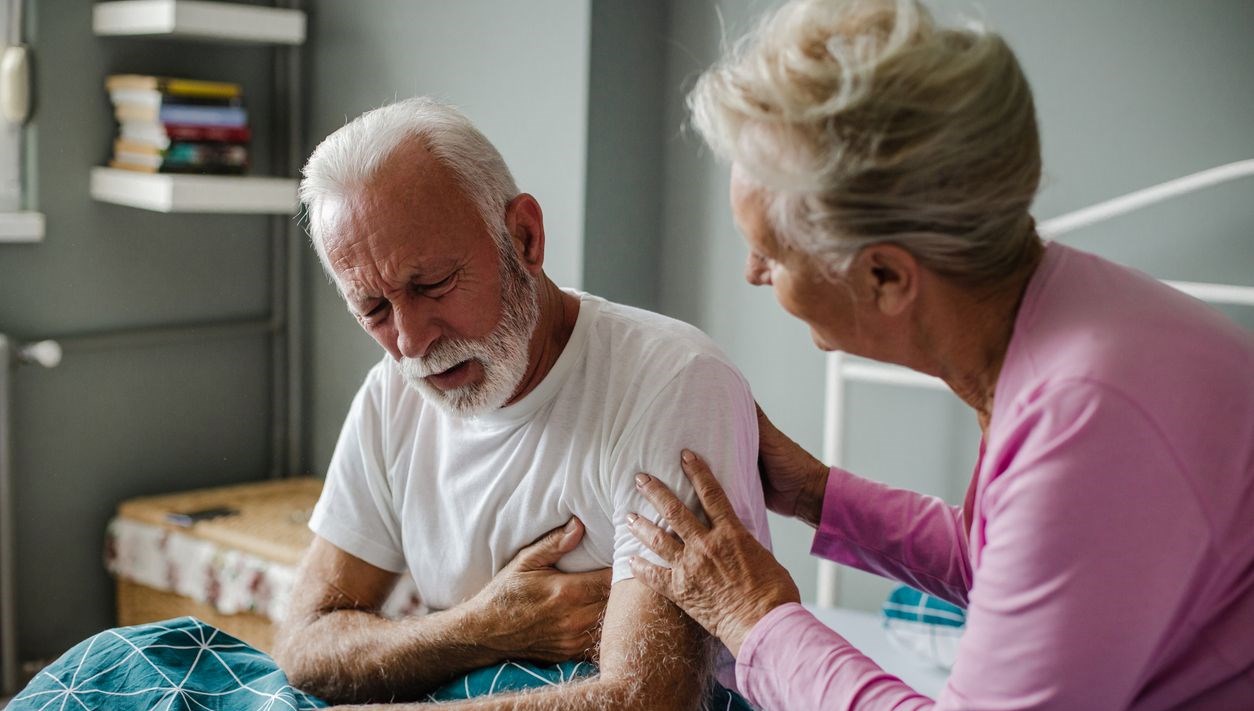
pixel 452 500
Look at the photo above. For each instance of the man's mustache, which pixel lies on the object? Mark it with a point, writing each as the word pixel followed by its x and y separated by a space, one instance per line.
pixel 443 355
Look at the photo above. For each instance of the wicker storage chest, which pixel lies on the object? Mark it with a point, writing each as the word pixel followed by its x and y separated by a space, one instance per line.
pixel 166 570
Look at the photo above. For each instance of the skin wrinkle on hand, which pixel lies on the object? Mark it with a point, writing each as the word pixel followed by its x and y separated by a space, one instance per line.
pixel 793 481
pixel 719 574
pixel 507 593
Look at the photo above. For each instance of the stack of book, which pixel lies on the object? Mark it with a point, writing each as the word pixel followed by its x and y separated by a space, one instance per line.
pixel 178 125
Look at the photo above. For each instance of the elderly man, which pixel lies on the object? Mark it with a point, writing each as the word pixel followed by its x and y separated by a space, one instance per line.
pixel 504 408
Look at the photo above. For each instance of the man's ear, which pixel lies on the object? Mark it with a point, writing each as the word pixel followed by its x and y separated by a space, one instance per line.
pixel 890 275
pixel 525 222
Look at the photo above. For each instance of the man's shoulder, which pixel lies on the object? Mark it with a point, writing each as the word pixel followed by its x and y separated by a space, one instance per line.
pixel 638 363
pixel 649 339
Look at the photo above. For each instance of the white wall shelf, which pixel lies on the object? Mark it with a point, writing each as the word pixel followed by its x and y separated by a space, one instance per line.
pixel 21 227
pixel 199 19
pixel 168 192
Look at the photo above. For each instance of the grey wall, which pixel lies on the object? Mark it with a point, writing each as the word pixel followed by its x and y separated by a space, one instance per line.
pixel 1127 96
pixel 116 423
pixel 518 70
pixel 626 121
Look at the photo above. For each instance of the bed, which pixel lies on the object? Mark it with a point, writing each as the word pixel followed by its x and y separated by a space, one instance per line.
pixel 236 572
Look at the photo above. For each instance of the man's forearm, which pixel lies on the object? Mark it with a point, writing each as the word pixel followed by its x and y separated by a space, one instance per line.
pixel 359 657
pixel 652 657
pixel 597 693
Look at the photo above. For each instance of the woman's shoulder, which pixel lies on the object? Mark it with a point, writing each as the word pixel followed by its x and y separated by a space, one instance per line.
pixel 1088 318
pixel 1099 346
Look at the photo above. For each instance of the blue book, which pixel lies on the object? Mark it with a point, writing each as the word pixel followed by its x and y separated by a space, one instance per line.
pixel 204 115
pixel 190 114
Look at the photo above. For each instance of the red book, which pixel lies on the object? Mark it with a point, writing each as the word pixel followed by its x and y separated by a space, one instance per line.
pixel 225 134
pixel 161 135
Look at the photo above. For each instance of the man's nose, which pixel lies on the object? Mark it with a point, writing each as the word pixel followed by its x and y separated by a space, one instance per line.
pixel 416 329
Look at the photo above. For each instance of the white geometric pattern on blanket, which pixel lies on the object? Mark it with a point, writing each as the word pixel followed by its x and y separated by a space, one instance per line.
pixel 563 677
pixel 203 642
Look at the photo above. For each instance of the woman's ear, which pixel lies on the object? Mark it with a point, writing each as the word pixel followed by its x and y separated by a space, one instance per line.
pixel 525 222
pixel 889 275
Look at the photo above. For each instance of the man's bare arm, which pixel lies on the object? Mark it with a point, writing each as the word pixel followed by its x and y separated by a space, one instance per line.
pixel 652 656
pixel 335 644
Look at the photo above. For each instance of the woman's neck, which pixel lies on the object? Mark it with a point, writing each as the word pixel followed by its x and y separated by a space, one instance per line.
pixel 968 334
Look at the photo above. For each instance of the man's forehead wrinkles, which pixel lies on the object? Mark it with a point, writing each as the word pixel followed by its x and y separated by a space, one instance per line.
pixel 340 259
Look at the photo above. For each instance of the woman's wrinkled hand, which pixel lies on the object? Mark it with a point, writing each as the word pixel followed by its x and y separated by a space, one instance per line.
pixel 720 575
pixel 793 481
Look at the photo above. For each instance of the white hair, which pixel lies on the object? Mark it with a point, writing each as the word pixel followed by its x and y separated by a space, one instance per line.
pixel 346 160
pixel 864 122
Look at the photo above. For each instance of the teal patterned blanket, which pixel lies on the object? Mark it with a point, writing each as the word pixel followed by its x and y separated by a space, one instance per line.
pixel 186 665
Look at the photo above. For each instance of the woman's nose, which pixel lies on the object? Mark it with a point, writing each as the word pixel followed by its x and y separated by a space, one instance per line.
pixel 756 272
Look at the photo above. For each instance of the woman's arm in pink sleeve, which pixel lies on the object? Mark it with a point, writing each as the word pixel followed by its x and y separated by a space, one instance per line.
pixel 899 534
pixel 1093 537
pixel 792 661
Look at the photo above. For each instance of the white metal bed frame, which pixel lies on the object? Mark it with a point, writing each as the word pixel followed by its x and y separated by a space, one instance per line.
pixel 842 368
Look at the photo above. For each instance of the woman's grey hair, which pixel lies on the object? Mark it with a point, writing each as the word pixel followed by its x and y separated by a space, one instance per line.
pixel 346 160
pixel 865 122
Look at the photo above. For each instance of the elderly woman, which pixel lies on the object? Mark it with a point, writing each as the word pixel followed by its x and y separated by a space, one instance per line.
pixel 882 173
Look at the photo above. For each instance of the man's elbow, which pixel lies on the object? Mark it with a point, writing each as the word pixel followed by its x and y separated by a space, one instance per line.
pixel 294 652
pixel 287 654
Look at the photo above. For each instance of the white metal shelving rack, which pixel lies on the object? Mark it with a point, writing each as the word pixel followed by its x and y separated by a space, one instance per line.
pixel 197 20
pixel 282 26
pixel 23 226
pixel 842 368
pixel 168 192
pixel 16 225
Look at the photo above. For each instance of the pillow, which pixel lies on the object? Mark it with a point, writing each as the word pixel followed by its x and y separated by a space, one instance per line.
pixel 924 626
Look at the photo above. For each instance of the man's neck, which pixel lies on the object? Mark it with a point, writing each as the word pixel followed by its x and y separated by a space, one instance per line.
pixel 558 313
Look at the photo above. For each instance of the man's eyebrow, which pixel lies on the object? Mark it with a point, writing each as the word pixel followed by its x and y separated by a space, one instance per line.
pixel 355 297
pixel 426 269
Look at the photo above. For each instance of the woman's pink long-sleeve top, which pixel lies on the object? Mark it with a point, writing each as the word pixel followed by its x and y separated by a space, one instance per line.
pixel 1109 562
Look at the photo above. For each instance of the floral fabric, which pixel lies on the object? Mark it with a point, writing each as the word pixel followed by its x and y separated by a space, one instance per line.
pixel 230 581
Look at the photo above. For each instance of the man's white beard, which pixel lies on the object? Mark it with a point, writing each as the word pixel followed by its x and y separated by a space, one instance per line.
pixel 503 353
